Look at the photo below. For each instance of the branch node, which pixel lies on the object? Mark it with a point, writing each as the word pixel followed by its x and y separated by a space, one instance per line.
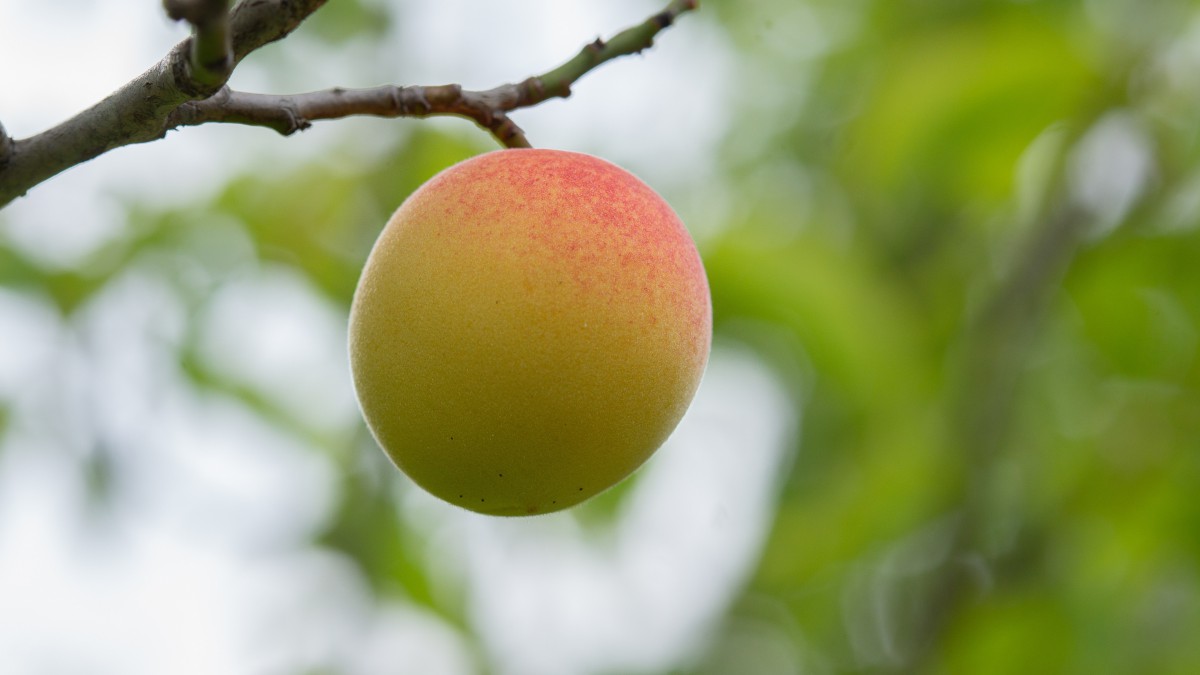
pixel 295 119
pixel 418 94
pixel 532 89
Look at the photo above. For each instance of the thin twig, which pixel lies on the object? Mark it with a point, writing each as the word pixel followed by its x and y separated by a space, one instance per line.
pixel 557 82
pixel 289 114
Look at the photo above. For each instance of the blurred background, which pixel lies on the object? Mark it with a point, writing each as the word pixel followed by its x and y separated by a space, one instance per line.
pixel 951 422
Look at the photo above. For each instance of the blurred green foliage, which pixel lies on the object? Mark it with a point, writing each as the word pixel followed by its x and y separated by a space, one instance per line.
pixel 973 492
pixel 1080 516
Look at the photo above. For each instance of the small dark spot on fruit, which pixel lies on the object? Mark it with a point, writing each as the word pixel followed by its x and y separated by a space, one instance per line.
pixel 502 475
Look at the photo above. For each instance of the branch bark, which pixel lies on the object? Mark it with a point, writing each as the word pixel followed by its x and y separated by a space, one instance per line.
pixel 187 88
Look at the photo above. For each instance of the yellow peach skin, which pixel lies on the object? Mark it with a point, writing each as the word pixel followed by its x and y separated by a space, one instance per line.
pixel 529 328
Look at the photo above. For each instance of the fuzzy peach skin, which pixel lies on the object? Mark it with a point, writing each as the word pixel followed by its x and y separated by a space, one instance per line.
pixel 529 328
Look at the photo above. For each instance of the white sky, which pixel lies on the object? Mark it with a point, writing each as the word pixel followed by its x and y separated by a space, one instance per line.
pixel 203 568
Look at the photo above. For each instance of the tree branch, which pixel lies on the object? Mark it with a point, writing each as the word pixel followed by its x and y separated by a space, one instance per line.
pixel 289 114
pixel 488 108
pixel 187 88
pixel 557 83
pixel 135 112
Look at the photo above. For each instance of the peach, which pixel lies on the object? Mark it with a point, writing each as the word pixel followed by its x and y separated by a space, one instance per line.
pixel 529 328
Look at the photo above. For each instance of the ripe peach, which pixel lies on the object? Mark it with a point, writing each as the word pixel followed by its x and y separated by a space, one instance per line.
pixel 529 328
